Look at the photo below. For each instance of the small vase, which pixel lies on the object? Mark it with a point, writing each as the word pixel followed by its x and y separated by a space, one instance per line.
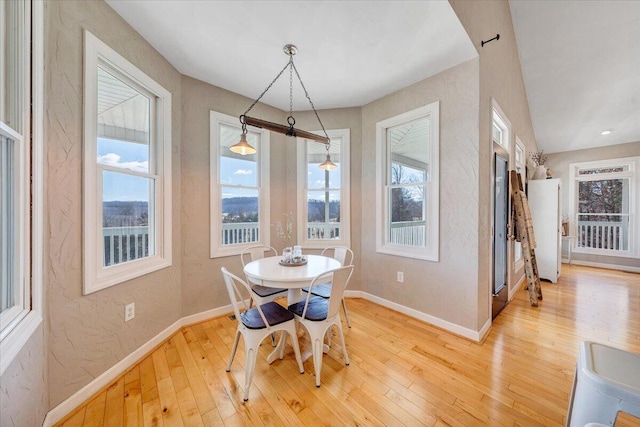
pixel 540 172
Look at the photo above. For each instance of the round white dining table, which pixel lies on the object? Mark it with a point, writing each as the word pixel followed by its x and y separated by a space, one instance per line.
pixel 268 272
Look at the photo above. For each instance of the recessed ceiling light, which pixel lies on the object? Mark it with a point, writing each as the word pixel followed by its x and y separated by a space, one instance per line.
pixel 606 132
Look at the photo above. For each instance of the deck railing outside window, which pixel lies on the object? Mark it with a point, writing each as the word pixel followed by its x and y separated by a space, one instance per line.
pixel 603 235
pixel 323 230
pixel 123 244
pixel 408 233
pixel 234 233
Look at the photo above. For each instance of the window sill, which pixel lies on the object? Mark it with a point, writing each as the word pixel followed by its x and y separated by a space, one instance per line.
pixel 604 252
pixel 121 273
pixel 408 253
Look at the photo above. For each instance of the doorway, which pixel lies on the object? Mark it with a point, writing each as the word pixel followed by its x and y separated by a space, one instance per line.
pixel 500 231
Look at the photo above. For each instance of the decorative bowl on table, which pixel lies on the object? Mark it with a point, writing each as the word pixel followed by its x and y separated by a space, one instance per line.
pixel 294 261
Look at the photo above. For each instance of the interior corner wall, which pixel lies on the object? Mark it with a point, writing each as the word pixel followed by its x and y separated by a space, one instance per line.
pixel 447 289
pixel 203 287
pixel 338 118
pixel 87 334
pixel 500 79
pixel 559 164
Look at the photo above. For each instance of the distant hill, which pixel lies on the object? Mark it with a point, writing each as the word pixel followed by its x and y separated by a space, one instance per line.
pixel 240 205
pixel 119 213
pixel 135 213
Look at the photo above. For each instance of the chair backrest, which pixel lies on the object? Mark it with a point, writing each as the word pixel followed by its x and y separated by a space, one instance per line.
pixel 341 253
pixel 339 279
pixel 253 253
pixel 239 303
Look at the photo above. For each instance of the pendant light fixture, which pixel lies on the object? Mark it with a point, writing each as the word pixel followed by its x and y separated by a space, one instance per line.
pixel 328 165
pixel 242 147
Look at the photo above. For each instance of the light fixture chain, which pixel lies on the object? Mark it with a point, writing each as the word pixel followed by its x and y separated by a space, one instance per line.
pixel 267 89
pixel 310 102
pixel 291 86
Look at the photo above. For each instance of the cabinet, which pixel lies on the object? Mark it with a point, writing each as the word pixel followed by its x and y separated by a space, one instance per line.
pixel 545 201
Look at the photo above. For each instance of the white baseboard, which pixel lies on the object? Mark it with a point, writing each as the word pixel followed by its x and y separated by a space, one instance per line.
pixel 436 321
pixel 608 266
pixel 516 288
pixel 104 379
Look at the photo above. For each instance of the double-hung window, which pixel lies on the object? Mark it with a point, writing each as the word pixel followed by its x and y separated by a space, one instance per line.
pixel 603 206
pixel 407 202
pixel 127 170
pixel 323 195
pixel 21 87
pixel 239 187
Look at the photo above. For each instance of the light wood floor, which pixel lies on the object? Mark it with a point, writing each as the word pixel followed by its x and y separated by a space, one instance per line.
pixel 402 372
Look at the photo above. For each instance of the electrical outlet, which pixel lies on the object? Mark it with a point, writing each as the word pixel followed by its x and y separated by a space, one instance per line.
pixel 400 277
pixel 129 311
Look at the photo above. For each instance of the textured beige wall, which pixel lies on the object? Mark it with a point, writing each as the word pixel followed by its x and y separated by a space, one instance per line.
pixel 501 79
pixel 24 398
pixel 87 334
pixel 445 289
pixel 202 285
pixel 559 163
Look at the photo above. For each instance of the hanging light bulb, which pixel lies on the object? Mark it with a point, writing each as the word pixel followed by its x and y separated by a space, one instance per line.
pixel 328 165
pixel 242 147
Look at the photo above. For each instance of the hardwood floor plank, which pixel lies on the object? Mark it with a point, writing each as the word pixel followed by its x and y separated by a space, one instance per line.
pixel 171 415
pixel 133 415
pixel 402 372
pixel 160 364
pixel 189 408
pixel 77 419
pixel 152 413
pixel 114 409
pixel 95 411
pixel 148 380
pixel 194 375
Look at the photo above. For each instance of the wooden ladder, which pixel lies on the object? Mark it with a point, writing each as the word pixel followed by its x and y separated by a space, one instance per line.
pixel 524 234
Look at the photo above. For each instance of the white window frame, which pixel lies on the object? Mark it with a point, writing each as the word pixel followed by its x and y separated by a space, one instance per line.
pixel 634 201
pixel 30 164
pixel 217 249
pixel 432 210
pixel 97 277
pixel 345 195
pixel 499 119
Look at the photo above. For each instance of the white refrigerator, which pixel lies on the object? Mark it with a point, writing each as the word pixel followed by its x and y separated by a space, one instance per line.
pixel 545 203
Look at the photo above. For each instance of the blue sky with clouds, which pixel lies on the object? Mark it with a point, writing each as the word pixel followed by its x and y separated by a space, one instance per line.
pixel 233 171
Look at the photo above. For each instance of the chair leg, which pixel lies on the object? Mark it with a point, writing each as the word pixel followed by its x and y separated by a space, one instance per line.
pixel 346 316
pixel 296 348
pixel 283 344
pixel 344 347
pixel 250 365
pixel 273 339
pixel 317 358
pixel 233 350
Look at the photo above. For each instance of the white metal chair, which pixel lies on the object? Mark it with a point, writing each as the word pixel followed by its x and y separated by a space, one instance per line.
pixel 319 314
pixel 262 294
pixel 345 256
pixel 606 382
pixel 255 324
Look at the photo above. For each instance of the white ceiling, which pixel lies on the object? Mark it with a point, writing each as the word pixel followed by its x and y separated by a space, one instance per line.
pixel 581 67
pixel 350 52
